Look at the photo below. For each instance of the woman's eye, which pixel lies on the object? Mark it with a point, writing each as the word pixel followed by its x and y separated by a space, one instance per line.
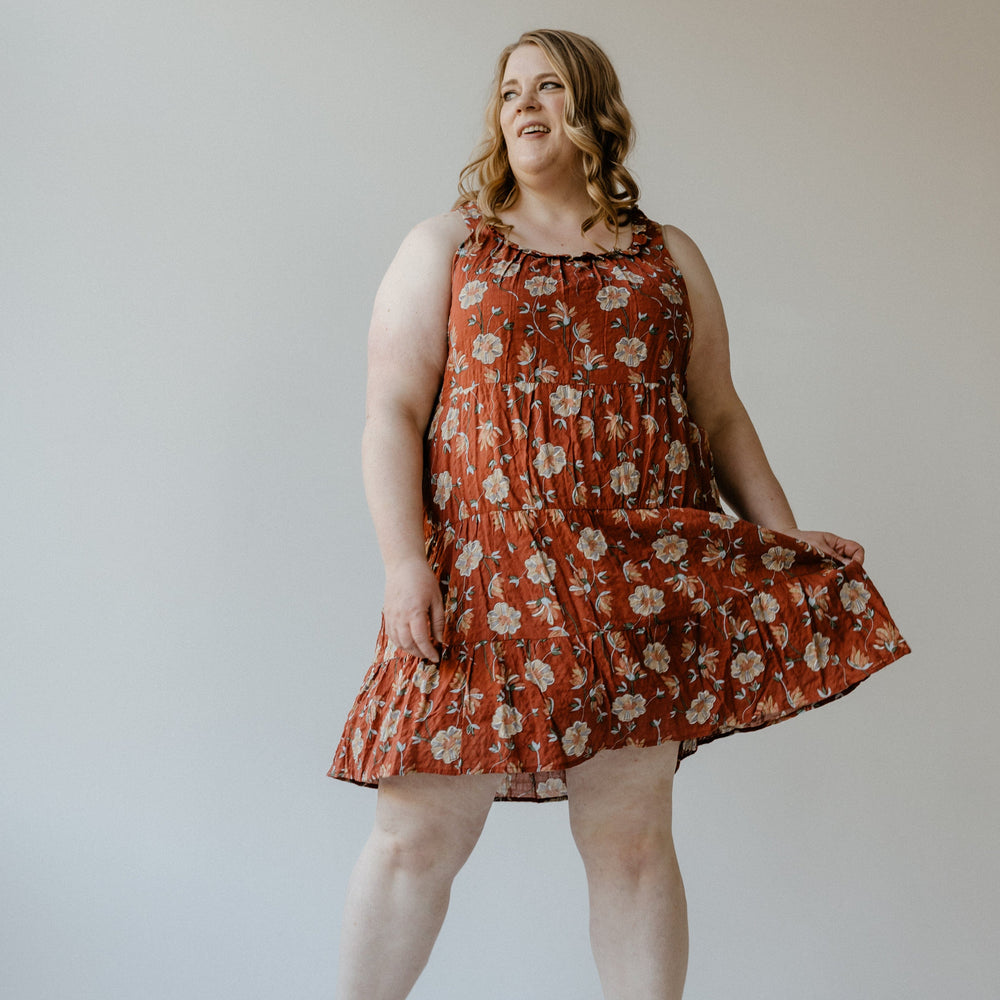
pixel 551 83
pixel 507 95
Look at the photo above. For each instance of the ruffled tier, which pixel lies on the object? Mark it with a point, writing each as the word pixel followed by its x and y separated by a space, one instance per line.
pixel 510 447
pixel 572 631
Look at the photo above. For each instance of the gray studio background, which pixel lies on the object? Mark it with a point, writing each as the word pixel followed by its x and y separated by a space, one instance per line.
pixel 197 201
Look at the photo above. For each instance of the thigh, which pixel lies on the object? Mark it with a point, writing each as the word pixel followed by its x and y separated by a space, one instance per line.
pixel 625 786
pixel 450 806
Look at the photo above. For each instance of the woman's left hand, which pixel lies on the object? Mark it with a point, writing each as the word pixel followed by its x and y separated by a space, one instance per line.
pixel 843 549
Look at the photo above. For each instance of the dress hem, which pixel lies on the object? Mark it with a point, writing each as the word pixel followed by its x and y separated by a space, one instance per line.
pixel 520 791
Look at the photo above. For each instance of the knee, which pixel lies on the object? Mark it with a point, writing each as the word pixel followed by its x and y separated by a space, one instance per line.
pixel 627 846
pixel 424 845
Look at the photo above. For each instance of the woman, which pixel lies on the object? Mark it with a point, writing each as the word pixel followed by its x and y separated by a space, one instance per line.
pixel 568 610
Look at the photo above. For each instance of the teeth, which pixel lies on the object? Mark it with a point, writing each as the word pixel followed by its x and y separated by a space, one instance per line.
pixel 534 128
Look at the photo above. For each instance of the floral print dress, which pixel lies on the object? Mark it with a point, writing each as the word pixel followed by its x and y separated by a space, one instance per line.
pixel 596 593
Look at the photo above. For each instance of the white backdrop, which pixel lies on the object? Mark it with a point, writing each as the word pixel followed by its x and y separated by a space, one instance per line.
pixel 197 200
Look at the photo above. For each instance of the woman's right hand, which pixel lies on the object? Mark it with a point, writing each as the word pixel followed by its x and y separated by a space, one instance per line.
pixel 414 609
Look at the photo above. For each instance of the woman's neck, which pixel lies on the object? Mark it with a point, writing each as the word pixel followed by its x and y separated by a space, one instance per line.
pixel 551 222
pixel 554 205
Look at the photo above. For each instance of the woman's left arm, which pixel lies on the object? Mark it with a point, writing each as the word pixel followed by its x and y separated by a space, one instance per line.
pixel 746 480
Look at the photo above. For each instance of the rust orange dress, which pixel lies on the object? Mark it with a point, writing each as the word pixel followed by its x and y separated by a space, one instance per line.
pixel 596 593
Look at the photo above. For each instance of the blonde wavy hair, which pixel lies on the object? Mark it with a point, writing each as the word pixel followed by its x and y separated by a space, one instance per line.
pixel 595 119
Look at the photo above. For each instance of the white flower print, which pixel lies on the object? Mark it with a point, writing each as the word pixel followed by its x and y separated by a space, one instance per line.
pixel 357 743
pixel 497 486
pixel 507 721
pixel 574 740
pixel 503 268
pixel 701 708
pixel 470 557
pixel 656 656
pixel 425 678
pixel 746 666
pixel 487 347
pixel 487 434
pixel 624 479
pixel 707 658
pixel 550 460
pixel 617 427
pixel 677 457
pixel 854 596
pixel 541 284
pixel 447 745
pixel 389 726
pixel 670 548
pixel 629 706
pixel 722 520
pixel 450 424
pixel 677 401
pixel 631 277
pixel 472 294
pixel 646 600
pixel 672 292
pixel 778 558
pixel 539 673
pixel 818 652
pixel 442 488
pixel 540 568
pixel 630 351
pixel 611 297
pixel 858 660
pixel 566 401
pixel 592 543
pixel 888 637
pixel 551 789
pixel 503 619
pixel 765 608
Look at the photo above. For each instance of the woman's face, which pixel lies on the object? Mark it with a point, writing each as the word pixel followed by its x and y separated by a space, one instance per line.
pixel 531 115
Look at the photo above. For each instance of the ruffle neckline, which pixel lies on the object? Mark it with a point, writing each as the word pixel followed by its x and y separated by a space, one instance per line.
pixel 640 238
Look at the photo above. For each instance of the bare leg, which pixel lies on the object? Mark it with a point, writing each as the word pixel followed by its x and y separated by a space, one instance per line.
pixel 425 828
pixel 620 814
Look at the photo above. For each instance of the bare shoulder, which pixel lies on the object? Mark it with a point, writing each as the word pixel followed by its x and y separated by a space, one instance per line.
pixel 422 265
pixel 440 234
pixel 689 259
pixel 410 315
pixel 678 242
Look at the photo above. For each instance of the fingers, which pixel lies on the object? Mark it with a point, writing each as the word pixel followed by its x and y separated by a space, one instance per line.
pixel 852 550
pixel 413 635
pixel 414 609
pixel 421 644
pixel 417 633
pixel 844 550
pixel 437 618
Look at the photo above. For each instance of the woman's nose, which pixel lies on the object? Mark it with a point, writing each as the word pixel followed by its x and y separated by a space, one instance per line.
pixel 527 99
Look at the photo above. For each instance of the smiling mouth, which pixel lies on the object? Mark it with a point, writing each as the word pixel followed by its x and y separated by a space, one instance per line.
pixel 535 130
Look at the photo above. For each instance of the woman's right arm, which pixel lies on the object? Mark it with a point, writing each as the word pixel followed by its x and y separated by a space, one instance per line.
pixel 407 349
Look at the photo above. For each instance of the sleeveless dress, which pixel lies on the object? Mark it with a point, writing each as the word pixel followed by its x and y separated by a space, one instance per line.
pixel 596 593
